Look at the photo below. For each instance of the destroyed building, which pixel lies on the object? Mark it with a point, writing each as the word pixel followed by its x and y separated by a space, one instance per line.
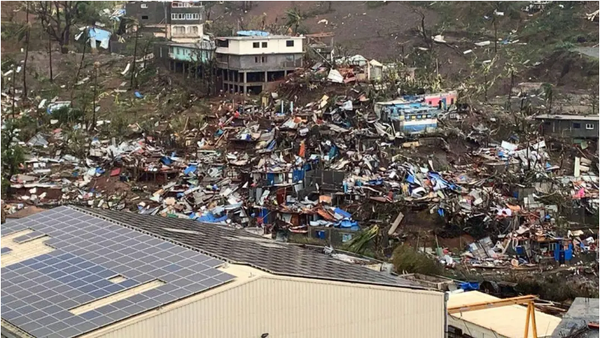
pixel 253 59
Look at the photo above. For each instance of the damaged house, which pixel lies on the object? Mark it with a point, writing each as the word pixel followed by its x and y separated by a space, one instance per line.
pixel 251 60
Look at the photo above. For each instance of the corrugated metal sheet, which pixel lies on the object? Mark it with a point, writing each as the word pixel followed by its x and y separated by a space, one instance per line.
pixel 293 307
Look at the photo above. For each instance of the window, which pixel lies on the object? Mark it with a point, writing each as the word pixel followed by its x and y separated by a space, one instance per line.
pixel 255 45
pixel 429 102
pixel 192 16
pixel 178 4
pixel 264 45
pixel 289 43
pixel 256 59
pixel 222 43
pixel 451 101
pixel 589 126
pixel 144 5
pixel 144 17
pixel 264 59
pixel 179 30
pixel 193 30
pixel 576 125
pixel 177 16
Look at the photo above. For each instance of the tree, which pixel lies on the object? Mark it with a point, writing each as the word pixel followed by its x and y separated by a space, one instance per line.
pixel 294 19
pixel 137 36
pixel 13 155
pixel 27 34
pixel 85 42
pixel 96 70
pixel 50 58
pixel 548 95
pixel 58 17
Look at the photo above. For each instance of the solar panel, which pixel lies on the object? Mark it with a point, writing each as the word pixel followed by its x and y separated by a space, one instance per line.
pixel 289 260
pixel 40 291
pixel 4 250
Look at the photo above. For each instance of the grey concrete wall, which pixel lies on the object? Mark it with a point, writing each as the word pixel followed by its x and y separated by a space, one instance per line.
pixel 565 128
pixel 155 11
pixel 273 62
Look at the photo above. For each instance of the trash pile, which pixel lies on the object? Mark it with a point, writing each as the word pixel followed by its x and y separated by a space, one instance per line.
pixel 279 166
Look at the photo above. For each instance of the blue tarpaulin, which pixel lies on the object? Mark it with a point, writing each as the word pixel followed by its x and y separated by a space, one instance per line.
pixel 190 169
pixel 297 175
pixel 332 152
pixel 343 213
pixel 252 33
pixel 100 35
pixel 209 217
pixel 469 286
pixel 352 225
pixel 138 95
pixel 166 160
pixel 270 178
pixel 378 181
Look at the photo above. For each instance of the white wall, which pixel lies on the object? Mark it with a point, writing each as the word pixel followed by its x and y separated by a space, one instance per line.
pixel 294 307
pixel 274 46
pixel 188 36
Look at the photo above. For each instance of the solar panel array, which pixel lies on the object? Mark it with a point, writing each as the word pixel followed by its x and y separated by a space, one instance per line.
pixel 38 293
pixel 240 246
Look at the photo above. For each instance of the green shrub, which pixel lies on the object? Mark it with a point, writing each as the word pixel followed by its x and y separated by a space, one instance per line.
pixel 407 259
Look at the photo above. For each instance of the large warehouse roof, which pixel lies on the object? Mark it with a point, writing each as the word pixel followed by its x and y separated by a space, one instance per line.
pixel 57 264
pixel 241 247
pixel 71 271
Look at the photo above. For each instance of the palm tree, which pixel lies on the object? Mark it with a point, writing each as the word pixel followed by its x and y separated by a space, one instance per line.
pixel 548 95
pixel 294 18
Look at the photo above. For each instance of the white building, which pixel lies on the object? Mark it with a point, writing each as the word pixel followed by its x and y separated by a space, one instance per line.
pixel 248 63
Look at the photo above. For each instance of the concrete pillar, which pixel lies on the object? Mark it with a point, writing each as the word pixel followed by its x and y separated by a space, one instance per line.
pixel 245 77
pixel 266 78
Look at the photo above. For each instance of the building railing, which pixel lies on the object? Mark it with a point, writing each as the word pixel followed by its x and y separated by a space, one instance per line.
pixel 291 64
pixel 185 35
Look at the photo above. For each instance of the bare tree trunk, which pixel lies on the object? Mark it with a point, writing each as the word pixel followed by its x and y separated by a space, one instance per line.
pixel 93 124
pixel 50 57
pixel 495 35
pixel 81 61
pixel 137 33
pixel 61 41
pixel 26 54
pixel 14 90
pixel 485 87
pixel 512 85
pixel 146 52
